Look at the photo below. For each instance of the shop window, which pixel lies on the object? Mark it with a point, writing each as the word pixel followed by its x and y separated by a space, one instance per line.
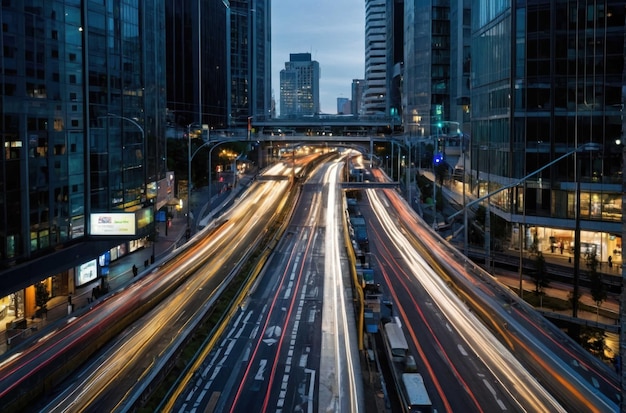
pixel 612 207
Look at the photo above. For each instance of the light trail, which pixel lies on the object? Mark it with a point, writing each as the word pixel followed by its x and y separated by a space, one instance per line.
pixel 335 308
pixel 496 357
pixel 433 336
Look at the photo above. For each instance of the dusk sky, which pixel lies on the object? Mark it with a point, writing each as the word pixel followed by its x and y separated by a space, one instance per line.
pixel 332 31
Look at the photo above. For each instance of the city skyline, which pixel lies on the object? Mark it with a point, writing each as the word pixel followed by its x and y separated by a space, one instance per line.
pixel 322 29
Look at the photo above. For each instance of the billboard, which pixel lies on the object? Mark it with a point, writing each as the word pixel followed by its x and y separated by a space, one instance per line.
pixel 119 223
pixel 86 272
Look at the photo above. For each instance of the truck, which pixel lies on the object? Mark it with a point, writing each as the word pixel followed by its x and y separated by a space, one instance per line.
pixel 360 232
pixel 409 384
pixel 416 397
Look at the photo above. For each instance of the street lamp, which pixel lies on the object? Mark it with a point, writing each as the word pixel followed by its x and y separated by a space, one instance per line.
pixel 436 161
pixel 216 144
pixel 587 146
pixel 190 157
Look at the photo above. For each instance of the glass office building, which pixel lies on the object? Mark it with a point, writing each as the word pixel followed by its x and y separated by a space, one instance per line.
pixel 250 62
pixel 81 116
pixel 426 80
pixel 197 50
pixel 547 80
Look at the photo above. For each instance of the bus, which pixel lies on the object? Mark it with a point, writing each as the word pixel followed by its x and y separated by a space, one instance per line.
pixel 395 342
pixel 416 397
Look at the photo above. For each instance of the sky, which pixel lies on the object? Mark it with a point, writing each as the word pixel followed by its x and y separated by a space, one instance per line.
pixel 332 31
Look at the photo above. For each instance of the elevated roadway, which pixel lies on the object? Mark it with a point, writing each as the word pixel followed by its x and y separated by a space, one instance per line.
pixel 369 185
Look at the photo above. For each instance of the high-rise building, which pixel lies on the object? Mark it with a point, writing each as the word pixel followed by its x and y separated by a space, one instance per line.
pixel 300 86
pixel 460 63
pixel 82 105
pixel 197 62
pixel 426 77
pixel 358 88
pixel 250 61
pixel 375 94
pixel 547 79
pixel 344 106
pixel 395 61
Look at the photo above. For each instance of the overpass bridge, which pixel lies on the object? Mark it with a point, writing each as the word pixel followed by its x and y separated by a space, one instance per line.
pixel 297 137
pixel 369 185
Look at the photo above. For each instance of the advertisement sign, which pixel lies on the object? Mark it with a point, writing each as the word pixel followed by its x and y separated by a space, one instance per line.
pixel 112 224
pixel 86 272
pixel 145 217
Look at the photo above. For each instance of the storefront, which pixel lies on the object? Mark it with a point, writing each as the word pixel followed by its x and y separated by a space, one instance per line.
pixel 25 304
pixel 561 242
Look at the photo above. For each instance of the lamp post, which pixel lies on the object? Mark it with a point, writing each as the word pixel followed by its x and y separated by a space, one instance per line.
pixel 435 156
pixel 143 140
pixel 190 157
pixel 215 145
pixel 586 146
pixel 488 212
pixel 188 231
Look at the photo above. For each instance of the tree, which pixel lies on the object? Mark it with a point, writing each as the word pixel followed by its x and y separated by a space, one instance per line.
pixel 41 297
pixel 593 339
pixel 540 276
pixel 598 289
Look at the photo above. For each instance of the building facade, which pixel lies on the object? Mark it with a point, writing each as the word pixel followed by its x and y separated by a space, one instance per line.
pixel 82 99
pixel 395 60
pixel 250 62
pixel 427 63
pixel 344 106
pixel 197 62
pixel 553 89
pixel 375 93
pixel 357 90
pixel 300 86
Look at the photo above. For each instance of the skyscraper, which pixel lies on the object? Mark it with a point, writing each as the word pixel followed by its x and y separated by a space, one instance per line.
pixel 426 65
pixel 344 106
pixel 197 61
pixel 300 86
pixel 375 95
pixel 358 86
pixel 554 86
pixel 250 61
pixel 81 112
pixel 395 61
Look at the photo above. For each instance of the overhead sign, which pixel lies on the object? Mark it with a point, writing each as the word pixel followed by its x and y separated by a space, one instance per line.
pixel 121 223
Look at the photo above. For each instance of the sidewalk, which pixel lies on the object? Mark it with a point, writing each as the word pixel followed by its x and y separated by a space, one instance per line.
pixel 121 270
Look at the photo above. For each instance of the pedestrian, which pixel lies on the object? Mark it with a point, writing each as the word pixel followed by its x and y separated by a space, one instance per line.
pixel 135 270
pixel 610 262
pixel 561 246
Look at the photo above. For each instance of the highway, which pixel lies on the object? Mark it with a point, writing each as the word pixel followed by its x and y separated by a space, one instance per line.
pixel 575 378
pixel 464 365
pixel 291 346
pixel 103 383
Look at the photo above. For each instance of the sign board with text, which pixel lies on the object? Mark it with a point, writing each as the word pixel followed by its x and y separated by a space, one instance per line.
pixel 119 223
